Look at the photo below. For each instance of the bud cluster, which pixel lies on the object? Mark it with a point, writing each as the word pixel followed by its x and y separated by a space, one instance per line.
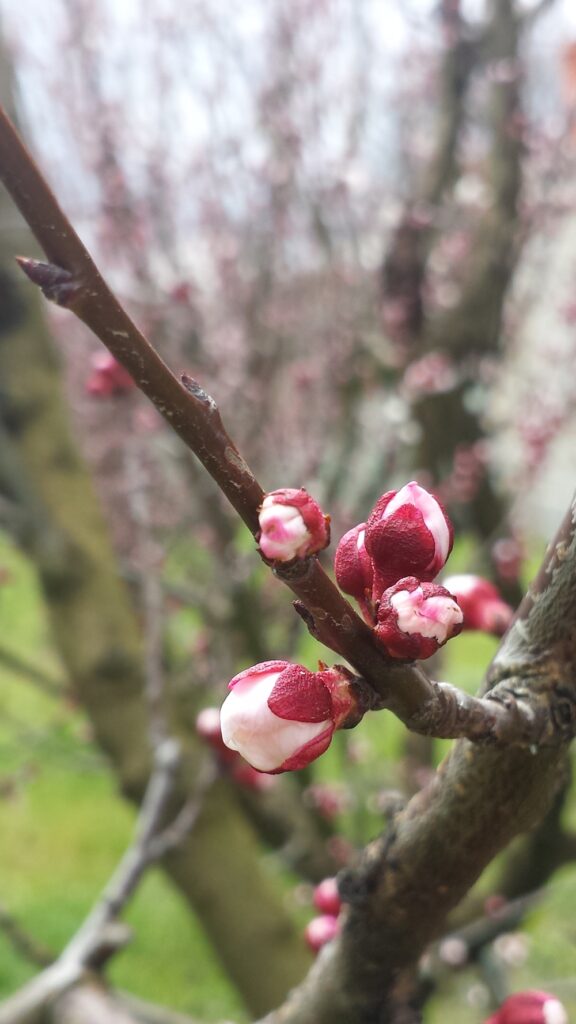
pixel 325 926
pixel 281 716
pixel 388 564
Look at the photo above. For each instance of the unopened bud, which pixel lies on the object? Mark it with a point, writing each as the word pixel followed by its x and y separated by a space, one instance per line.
pixel 292 525
pixel 415 619
pixel 407 534
pixel 280 716
pixel 321 930
pixel 530 1007
pixel 327 898
pixel 481 603
pixel 354 570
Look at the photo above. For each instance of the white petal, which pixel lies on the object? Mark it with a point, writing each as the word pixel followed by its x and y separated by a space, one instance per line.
pixel 249 726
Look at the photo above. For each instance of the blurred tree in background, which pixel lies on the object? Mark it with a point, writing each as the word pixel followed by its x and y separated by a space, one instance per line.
pixel 339 217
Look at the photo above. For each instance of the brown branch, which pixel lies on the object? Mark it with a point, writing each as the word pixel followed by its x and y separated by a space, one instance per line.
pixel 410 879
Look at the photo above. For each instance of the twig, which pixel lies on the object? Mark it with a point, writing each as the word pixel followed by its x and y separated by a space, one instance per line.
pixel 71 279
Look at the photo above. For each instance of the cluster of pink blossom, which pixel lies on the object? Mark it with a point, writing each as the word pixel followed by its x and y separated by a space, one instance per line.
pixel 281 716
pixel 326 925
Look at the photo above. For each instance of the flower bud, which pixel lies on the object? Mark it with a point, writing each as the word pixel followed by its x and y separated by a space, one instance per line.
pixel 280 716
pixel 292 525
pixel 321 930
pixel 327 898
pixel 108 376
pixel 354 569
pixel 482 606
pixel 415 619
pixel 407 534
pixel 530 1008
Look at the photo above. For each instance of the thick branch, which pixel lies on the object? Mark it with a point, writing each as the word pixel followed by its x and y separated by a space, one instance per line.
pixel 410 879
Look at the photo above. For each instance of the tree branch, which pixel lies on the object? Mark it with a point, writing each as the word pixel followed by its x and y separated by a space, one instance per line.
pixel 72 280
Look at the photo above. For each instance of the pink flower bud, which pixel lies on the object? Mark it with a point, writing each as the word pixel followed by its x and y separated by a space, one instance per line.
pixel 292 525
pixel 280 716
pixel 482 606
pixel 407 533
pixel 354 569
pixel 108 376
pixel 327 898
pixel 321 930
pixel 415 619
pixel 530 1008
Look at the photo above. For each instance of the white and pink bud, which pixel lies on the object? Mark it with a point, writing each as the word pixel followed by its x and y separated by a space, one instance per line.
pixel 415 618
pixel 408 533
pixel 208 729
pixel 354 570
pixel 321 930
pixel 292 525
pixel 327 898
pixel 481 602
pixel 530 1007
pixel 280 716
pixel 108 377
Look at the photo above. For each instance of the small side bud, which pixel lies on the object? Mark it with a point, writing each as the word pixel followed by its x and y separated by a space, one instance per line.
pixel 327 898
pixel 281 716
pixel 354 570
pixel 321 930
pixel 531 1007
pixel 408 533
pixel 481 602
pixel 292 525
pixel 56 284
pixel 415 619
